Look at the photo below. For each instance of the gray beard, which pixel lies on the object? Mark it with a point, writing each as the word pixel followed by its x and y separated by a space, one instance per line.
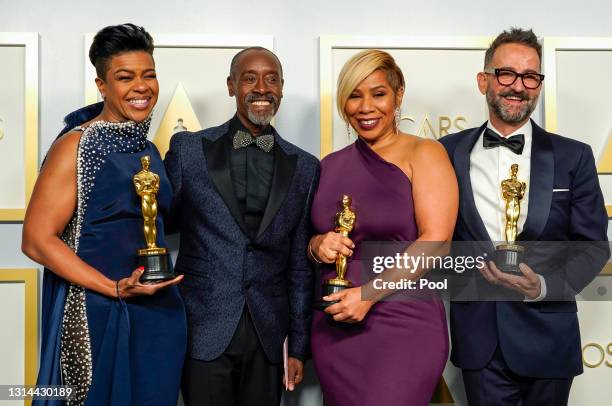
pixel 506 115
pixel 261 120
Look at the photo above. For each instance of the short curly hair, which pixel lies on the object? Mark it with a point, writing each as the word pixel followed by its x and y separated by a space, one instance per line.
pixel 117 39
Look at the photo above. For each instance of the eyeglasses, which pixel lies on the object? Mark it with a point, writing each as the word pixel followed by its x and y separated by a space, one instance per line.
pixel 507 77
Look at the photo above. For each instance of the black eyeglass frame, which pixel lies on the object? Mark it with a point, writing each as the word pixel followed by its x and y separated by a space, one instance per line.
pixel 498 71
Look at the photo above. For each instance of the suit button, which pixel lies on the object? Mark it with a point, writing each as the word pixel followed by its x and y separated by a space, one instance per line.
pixel 249 248
pixel 247 285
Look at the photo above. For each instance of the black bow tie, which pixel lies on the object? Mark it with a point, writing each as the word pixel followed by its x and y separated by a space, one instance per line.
pixel 515 143
pixel 243 139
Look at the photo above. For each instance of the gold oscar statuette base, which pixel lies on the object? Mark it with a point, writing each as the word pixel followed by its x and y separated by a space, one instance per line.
pixel 156 263
pixel 329 287
pixel 152 251
pixel 508 257
pixel 338 282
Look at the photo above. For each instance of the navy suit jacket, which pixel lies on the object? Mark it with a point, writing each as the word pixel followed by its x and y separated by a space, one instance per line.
pixel 540 339
pixel 224 267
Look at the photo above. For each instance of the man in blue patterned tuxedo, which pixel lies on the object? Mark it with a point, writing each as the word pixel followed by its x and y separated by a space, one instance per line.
pixel 242 198
pixel 525 351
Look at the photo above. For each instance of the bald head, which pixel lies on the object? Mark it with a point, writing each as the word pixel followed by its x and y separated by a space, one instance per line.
pixel 236 59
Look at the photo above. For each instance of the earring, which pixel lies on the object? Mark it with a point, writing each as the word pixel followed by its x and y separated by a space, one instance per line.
pixel 348 132
pixel 398 119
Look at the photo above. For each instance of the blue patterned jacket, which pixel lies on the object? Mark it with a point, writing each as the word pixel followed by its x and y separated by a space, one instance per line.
pixel 224 268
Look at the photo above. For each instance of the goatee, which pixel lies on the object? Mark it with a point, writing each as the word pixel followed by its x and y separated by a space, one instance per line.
pixel 505 113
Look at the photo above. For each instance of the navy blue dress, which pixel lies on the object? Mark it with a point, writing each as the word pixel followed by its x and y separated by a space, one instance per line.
pixel 114 352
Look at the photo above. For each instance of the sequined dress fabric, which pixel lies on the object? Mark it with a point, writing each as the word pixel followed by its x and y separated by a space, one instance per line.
pixel 112 351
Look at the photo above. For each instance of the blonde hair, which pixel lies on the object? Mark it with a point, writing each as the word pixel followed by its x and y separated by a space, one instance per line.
pixel 359 67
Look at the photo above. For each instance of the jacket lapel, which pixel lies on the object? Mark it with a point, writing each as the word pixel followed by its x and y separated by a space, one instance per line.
pixel 217 162
pixel 284 169
pixel 461 161
pixel 541 177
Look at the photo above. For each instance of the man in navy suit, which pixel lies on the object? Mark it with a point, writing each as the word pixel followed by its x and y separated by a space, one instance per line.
pixel 527 351
pixel 242 198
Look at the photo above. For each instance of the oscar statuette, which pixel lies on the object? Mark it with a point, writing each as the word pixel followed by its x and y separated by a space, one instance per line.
pixel 154 259
pixel 345 222
pixel 509 255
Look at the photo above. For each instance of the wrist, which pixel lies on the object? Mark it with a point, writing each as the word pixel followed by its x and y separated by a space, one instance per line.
pixel 114 289
pixel 540 291
pixel 311 252
pixel 370 295
pixel 108 288
pixel 535 293
pixel 296 358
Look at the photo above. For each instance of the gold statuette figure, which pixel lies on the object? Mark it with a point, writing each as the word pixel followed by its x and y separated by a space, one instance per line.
pixel 513 191
pixel 509 254
pixel 147 187
pixel 153 258
pixel 345 222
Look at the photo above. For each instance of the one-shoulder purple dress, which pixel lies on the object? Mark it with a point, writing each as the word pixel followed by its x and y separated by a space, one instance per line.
pixel 397 354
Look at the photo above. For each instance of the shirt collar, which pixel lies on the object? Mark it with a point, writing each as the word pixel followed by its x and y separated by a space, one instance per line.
pixel 526 129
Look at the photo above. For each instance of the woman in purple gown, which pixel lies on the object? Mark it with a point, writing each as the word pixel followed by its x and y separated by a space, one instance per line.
pixel 403 188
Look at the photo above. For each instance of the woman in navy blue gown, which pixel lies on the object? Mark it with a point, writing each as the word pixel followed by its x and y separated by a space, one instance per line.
pixel 115 340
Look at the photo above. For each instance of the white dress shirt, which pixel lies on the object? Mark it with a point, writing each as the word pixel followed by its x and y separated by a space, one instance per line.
pixel 488 168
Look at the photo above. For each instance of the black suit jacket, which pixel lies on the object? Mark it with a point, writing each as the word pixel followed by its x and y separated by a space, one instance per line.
pixel 224 267
pixel 539 339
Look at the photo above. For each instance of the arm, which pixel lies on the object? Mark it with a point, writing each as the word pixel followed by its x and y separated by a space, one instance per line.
pixel 51 207
pixel 435 192
pixel 172 163
pixel 589 225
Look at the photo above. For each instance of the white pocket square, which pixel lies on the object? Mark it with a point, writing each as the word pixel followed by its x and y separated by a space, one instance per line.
pixel 560 190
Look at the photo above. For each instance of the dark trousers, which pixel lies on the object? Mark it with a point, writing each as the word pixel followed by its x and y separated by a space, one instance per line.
pixel 241 376
pixel 497 385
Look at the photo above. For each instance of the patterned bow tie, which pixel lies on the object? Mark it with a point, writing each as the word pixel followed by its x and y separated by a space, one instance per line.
pixel 515 143
pixel 243 139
